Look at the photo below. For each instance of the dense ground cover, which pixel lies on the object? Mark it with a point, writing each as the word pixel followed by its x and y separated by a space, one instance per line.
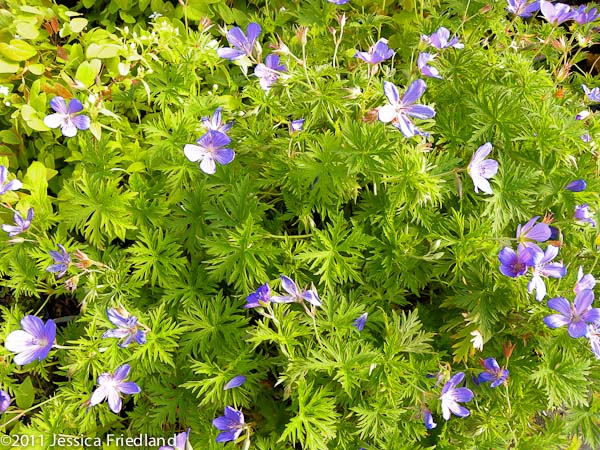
pixel 309 225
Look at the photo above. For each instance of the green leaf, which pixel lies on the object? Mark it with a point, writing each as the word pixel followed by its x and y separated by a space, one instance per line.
pixel 88 71
pixel 8 67
pixel 24 394
pixel 17 50
pixel 28 29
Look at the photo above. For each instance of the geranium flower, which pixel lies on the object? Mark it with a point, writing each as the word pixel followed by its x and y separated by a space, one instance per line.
pixel 523 9
pixel 5 401
pixel 310 295
pixel 581 16
pixel 451 395
pixel 398 111
pixel 514 264
pixel 423 64
pixel 532 231
pixel 127 329
pixel 575 316
pixel 493 373
pixel 593 94
pixel 242 45
pixel 33 342
pixel 231 424
pixel 21 225
pixel 296 125
pixel 481 169
pixel 62 260
pixel 12 185
pixel 576 186
pixel 584 281
pixel 583 214
pixel 208 149
pixel 338 2
pixel 66 117
pixel 428 419
pixel 439 39
pixel 236 381
pixel 181 442
pixel 112 386
pixel 556 13
pixel 593 334
pixel 259 298
pixel 269 72
pixel 215 123
pixel 543 267
pixel 377 53
pixel 359 323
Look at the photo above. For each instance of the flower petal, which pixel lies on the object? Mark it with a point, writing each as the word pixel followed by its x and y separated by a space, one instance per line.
pixel 414 92
pixel 59 105
pixel 391 92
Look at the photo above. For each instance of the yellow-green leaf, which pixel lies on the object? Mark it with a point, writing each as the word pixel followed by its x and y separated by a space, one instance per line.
pixel 17 50
pixel 78 24
pixel 28 29
pixel 88 71
pixel 8 67
pixel 102 51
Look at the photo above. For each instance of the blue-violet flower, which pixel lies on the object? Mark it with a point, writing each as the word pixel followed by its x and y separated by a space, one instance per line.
pixel 492 373
pixel 242 45
pixel 439 39
pixel 5 401
pixel 33 342
pixel 236 381
pixel 62 260
pixel 592 94
pixel 575 316
pixel 21 225
pixel 481 169
pixel 208 149
pixel 215 122
pixel 556 13
pixel 269 72
pixel 423 64
pixel 181 442
pixel 581 16
pixel 66 117
pixel 377 53
pixel 576 185
pixel 451 395
pixel 542 266
pixel 523 9
pixel 583 214
pixel 112 386
pixel 398 111
pixel 359 323
pixel 310 295
pixel 259 298
pixel 12 185
pixel 127 329
pixel 231 424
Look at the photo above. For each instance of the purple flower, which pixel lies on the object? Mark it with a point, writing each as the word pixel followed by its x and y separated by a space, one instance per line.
pixel 576 316
pixel 592 95
pixel 361 321
pixel 181 442
pixel 576 186
pixel 492 373
pixel 127 328
pixel 236 381
pixel 66 117
pixel 439 39
pixel 451 395
pixel 542 266
pixel 21 225
pixel 269 71
pixel 583 115
pixel 259 298
pixel 12 185
pixel 62 260
pixel 428 419
pixel 556 13
pixel 338 2
pixel 523 9
pixel 398 111
pixel 215 123
pixel 423 64
pixel 5 401
pixel 296 125
pixel 583 214
pixel 242 45
pixel 593 334
pixel 377 53
pixel 208 149
pixel 515 264
pixel 584 281
pixel 481 169
pixel 310 295
pixel 531 231
pixel 586 137
pixel 33 342
pixel 582 17
pixel 112 386
pixel 231 424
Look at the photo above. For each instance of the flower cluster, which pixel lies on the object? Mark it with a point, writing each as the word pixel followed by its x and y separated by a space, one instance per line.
pixel 439 40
